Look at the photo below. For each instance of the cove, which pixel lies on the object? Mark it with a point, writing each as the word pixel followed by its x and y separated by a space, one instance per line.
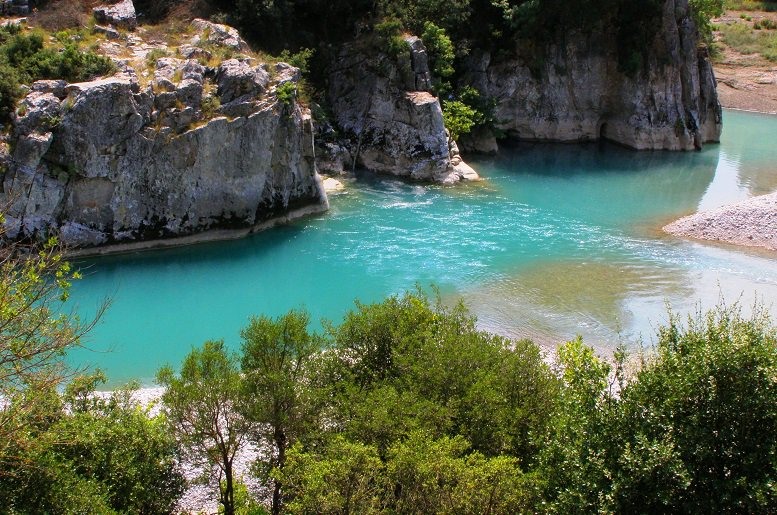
pixel 558 240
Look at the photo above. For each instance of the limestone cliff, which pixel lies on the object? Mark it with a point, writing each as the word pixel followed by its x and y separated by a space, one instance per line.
pixel 579 94
pixel 196 148
pixel 392 123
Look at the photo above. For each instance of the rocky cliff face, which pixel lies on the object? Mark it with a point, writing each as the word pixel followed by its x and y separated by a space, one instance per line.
pixel 580 95
pixel 392 123
pixel 197 148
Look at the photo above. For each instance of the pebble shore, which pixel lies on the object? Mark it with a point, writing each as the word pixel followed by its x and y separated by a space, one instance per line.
pixel 750 223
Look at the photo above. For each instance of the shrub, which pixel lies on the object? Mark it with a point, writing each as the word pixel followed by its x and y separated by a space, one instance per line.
pixel 389 34
pixel 286 93
pixel 459 117
pixel 299 59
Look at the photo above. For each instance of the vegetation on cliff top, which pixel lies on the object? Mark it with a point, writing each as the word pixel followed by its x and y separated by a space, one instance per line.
pixel 26 57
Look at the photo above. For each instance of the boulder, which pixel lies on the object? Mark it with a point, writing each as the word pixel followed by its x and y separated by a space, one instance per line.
pixel 218 34
pixel 237 79
pixel 120 14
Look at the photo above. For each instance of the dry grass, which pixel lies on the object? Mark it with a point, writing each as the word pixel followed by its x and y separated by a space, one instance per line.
pixel 61 15
pixel 750 5
pixel 743 38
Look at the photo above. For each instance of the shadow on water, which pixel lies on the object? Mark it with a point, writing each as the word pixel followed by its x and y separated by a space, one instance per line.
pixel 604 183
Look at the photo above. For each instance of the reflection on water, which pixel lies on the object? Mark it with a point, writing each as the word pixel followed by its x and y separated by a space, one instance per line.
pixel 558 240
pixel 749 141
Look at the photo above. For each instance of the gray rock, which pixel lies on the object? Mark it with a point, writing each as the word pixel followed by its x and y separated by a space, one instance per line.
pixel 392 130
pixel 193 52
pixel 121 14
pixel 76 235
pixel 38 111
pixel 421 79
pixel 108 32
pixel 237 79
pixel 116 168
pixel 30 148
pixel 580 95
pixel 218 34
pixel 55 87
pixel 189 93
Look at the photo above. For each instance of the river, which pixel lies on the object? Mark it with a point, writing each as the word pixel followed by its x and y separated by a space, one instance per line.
pixel 558 240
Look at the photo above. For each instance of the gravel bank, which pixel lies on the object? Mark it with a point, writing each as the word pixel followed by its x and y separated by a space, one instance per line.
pixel 751 223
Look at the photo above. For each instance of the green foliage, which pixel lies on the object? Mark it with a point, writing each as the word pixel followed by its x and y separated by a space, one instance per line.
pixel 209 106
pixel 441 55
pixel 201 407
pixel 101 455
pixel 459 117
pixel 743 39
pixel 286 92
pixel 299 59
pixel 275 354
pixel 24 58
pixel 694 431
pixel 712 388
pixel 703 11
pixel 440 476
pixel 347 478
pixel 389 33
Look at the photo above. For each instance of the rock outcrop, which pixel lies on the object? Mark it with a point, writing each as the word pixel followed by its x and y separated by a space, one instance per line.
pixel 579 94
pixel 751 223
pixel 392 121
pixel 120 14
pixel 111 161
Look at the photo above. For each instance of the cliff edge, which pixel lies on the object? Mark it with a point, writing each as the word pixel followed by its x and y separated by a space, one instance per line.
pixel 172 151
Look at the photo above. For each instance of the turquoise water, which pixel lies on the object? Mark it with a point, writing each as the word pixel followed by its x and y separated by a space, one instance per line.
pixel 558 240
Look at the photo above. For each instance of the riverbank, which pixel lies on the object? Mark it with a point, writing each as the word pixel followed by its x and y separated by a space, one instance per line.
pixel 746 80
pixel 751 223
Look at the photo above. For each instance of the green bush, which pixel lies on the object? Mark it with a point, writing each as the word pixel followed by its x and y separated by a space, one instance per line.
pixel 459 117
pixel 389 34
pixel 286 93
pixel 24 58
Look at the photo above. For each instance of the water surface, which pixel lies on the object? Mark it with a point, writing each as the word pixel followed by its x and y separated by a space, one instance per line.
pixel 558 240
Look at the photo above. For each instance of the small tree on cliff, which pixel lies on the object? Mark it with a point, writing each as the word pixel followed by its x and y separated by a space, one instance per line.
pixel 201 407
pixel 275 353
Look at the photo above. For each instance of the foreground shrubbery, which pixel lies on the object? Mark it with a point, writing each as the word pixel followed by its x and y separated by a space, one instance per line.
pixel 403 407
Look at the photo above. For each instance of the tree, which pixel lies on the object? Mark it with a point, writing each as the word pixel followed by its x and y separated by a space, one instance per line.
pixel 201 406
pixel 95 454
pixel 439 476
pixel 345 478
pixel 275 354
pixel 35 334
pixel 703 411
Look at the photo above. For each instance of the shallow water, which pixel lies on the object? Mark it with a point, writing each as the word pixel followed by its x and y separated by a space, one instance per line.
pixel 558 240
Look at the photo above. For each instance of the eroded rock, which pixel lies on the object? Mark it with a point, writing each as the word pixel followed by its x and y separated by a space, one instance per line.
pixel 120 14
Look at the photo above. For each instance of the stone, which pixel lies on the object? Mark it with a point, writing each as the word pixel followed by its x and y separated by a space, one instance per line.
pixel 108 32
pixel 38 111
pixel 30 148
pixel 115 168
pixel 237 79
pixel 580 95
pixel 120 14
pixel 218 34
pixel 55 87
pixel 193 52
